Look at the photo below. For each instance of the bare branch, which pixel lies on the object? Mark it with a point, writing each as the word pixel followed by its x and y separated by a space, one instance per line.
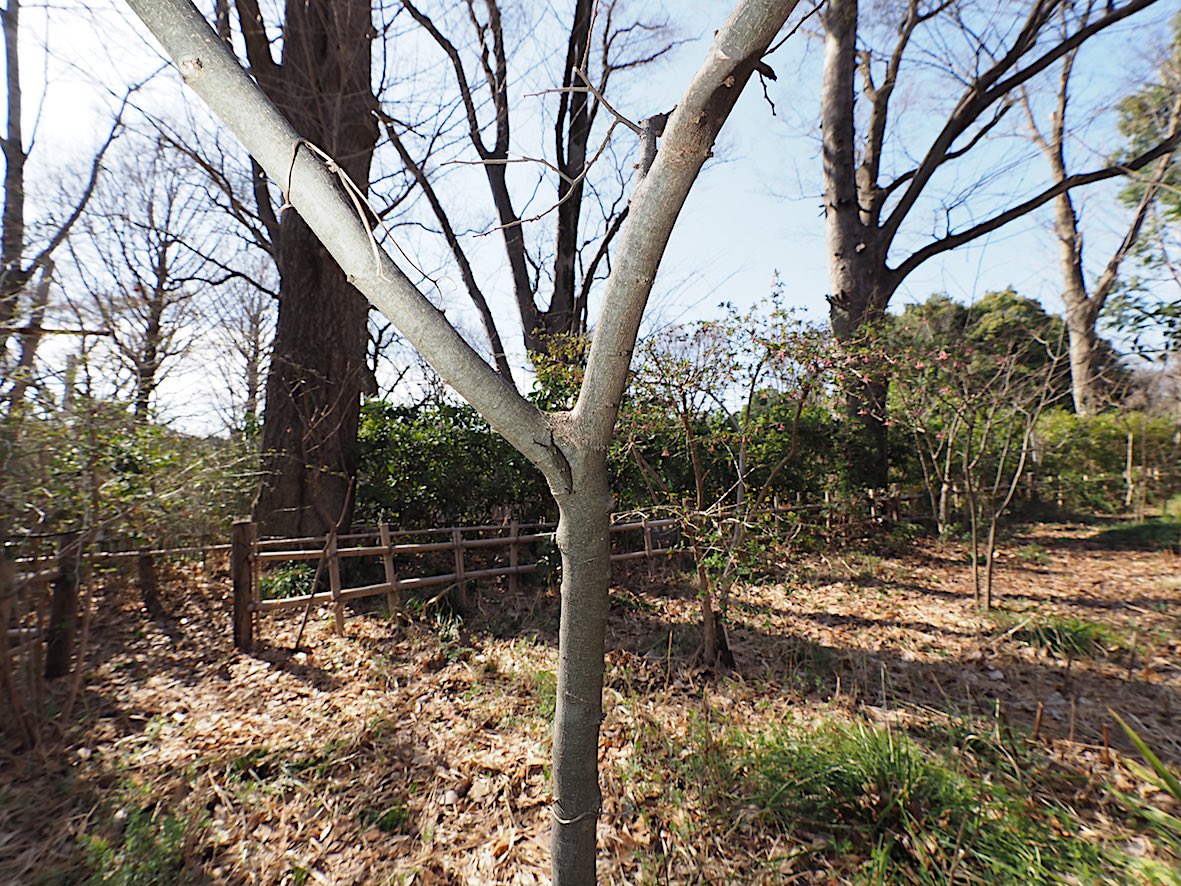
pixel 1015 212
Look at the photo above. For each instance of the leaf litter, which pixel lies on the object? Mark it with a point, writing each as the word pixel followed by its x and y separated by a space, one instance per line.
pixel 418 752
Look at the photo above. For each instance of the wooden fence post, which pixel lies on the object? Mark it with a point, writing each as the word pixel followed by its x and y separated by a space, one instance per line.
pixel 393 600
pixel 7 623
pixel 334 584
pixel 648 546
pixel 459 598
pixel 242 542
pixel 149 589
pixel 63 608
pixel 513 555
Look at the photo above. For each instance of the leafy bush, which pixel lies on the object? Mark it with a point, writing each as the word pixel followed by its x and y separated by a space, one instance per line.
pixel 288 580
pixel 1083 459
pixel 439 464
pixel 95 468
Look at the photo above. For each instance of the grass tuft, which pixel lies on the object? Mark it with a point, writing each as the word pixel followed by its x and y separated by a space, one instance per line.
pixel 1153 535
pixel 877 806
pixel 1068 637
pixel 148 848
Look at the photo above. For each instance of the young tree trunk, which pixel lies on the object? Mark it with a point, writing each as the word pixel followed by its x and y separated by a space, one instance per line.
pixel 583 539
pixel 569 448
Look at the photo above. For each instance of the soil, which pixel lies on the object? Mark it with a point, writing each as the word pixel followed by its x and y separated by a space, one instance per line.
pixel 417 749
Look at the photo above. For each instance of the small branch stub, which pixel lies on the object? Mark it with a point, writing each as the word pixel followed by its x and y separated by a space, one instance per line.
pixel 191 69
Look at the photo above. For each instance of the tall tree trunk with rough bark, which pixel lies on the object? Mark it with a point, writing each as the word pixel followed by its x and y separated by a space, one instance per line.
pixel 860 288
pixel 313 395
pixel 867 203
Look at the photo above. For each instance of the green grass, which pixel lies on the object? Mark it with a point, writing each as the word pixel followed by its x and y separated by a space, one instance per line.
pixel 147 849
pixel 1034 555
pixel 875 806
pixel 1068 637
pixel 545 692
pixel 1155 535
pixel 1163 827
pixel 390 820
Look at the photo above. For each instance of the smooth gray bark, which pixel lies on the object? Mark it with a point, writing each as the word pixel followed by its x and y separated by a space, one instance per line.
pixel 569 449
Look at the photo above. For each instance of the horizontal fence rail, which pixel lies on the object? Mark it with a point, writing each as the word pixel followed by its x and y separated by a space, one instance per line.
pixel 250 556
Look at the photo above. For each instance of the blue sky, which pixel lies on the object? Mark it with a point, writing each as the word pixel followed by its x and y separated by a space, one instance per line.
pixel 754 213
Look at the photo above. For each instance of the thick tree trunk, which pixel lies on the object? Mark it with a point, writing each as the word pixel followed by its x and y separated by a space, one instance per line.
pixel 1080 308
pixel 1080 327
pixel 313 400
pixel 857 272
pixel 309 439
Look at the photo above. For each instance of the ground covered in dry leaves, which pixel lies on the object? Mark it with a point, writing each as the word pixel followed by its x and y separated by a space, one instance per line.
pixel 418 751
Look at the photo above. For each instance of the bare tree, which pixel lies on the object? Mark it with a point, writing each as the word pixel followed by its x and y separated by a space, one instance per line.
pixel 23 256
pixel 17 265
pixel 1085 301
pixel 598 49
pixel 723 380
pixel 568 447
pixel 139 256
pixel 868 204
pixel 318 365
pixel 243 334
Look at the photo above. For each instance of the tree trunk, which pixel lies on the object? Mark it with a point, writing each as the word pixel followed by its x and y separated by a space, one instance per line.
pixel 309 439
pixel 12 230
pixel 857 272
pixel 583 540
pixel 22 375
pixel 571 145
pixel 1080 326
pixel 1081 312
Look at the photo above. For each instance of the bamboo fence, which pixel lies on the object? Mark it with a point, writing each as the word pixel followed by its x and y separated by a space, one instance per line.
pixel 250 557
